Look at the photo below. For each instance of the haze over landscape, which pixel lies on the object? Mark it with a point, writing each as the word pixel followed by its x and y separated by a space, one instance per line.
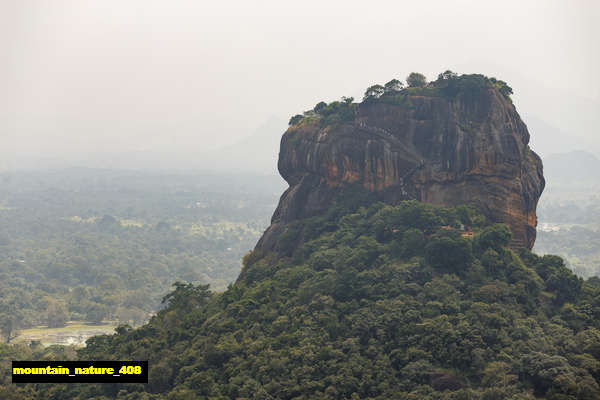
pixel 142 84
pixel 318 200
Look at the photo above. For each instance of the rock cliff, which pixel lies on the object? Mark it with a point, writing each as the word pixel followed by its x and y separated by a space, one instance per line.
pixel 470 147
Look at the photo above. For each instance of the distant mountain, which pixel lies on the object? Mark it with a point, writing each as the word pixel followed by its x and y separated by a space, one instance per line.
pixel 547 139
pixel 257 152
pixel 571 167
pixel 559 119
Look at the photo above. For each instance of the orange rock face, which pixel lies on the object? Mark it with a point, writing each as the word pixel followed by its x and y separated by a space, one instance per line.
pixel 433 149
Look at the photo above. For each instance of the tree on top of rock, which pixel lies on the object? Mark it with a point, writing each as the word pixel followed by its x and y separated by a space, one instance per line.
pixel 295 119
pixel 415 79
pixel 319 106
pixel 446 75
pixel 393 86
pixel 374 92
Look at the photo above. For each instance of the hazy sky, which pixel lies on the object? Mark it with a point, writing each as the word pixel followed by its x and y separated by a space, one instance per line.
pixel 84 77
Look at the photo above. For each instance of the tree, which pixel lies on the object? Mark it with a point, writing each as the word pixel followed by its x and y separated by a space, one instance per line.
pixel 393 86
pixel 319 106
pixel 295 119
pixel 96 312
pixel 566 284
pixel 159 376
pixel 413 242
pixel 447 75
pixel 503 87
pixel 108 223
pixel 415 79
pixel 187 297
pixel 549 373
pixel 498 373
pixel 373 92
pixel 347 100
pixel 494 237
pixel 10 319
pixel 56 314
pixel 79 293
pixel 452 254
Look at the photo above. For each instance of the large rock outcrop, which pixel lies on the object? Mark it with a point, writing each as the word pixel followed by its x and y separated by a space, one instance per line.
pixel 447 150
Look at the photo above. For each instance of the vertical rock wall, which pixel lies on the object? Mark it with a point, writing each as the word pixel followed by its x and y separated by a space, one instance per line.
pixel 439 150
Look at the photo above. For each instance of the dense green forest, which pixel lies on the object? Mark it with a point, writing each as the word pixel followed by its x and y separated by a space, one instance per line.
pixel 97 245
pixel 375 301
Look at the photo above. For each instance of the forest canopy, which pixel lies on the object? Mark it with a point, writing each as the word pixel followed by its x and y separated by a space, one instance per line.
pixel 378 302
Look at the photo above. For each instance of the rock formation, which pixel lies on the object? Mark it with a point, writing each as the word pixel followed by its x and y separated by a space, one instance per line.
pixel 468 148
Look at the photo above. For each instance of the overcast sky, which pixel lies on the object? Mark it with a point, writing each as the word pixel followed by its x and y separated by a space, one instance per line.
pixel 83 77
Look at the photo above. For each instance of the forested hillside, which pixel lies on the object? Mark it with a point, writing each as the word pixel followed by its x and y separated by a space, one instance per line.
pixel 377 301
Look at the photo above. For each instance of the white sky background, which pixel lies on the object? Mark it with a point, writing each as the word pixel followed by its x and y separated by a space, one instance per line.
pixel 89 77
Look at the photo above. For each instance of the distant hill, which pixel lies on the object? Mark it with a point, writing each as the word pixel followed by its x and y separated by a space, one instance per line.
pixel 547 139
pixel 255 153
pixel 580 165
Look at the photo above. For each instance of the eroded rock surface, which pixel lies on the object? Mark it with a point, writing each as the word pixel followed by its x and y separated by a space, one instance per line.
pixel 436 149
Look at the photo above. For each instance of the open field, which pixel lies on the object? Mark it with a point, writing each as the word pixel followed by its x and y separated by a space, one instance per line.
pixel 75 333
